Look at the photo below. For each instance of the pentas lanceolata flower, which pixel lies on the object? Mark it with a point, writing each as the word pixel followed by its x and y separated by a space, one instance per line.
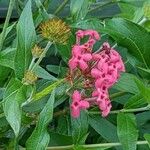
pixel 96 72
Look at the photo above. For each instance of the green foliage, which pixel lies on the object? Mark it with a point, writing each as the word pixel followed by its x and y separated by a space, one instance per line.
pixel 129 34
pixel 79 9
pixel 39 139
pixel 147 137
pixel 104 127
pixel 37 116
pixel 127 131
pixel 26 37
pixel 13 97
pixel 80 129
pixel 7 58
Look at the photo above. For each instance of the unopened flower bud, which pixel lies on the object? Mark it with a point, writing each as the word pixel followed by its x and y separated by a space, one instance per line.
pixel 29 77
pixel 37 51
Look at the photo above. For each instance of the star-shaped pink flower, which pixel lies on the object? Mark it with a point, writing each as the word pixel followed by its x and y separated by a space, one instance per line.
pixel 78 104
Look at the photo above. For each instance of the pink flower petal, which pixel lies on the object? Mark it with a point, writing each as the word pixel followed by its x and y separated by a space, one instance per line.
pixel 93 34
pixel 83 65
pixel 95 73
pixel 86 57
pixel 84 104
pixel 96 35
pixel 106 111
pixel 120 66
pixel 76 50
pixel 80 33
pixel 96 57
pixel 75 112
pixel 102 105
pixel 95 93
pixel 76 96
pixel 91 42
pixel 73 63
pixel 99 82
pixel 114 58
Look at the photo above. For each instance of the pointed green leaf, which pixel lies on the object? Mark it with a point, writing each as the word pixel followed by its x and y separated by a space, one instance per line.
pixel 7 57
pixel 127 131
pixel 93 23
pixel 123 85
pixel 39 139
pixel 13 97
pixel 144 90
pixel 80 128
pixel 26 37
pixel 135 101
pixel 129 34
pixel 79 9
pixel 147 137
pixel 105 128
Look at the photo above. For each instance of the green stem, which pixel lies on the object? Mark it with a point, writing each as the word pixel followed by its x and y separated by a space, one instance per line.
pixel 32 63
pixel 42 55
pixel 10 9
pixel 101 145
pixel 28 100
pixel 124 110
pixel 142 21
pixel 63 4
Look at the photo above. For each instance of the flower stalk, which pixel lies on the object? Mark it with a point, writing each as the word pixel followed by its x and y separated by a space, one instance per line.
pixel 101 145
pixel 42 55
pixel 147 108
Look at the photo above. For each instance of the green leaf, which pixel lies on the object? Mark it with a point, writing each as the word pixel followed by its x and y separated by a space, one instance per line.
pixel 146 70
pixel 144 90
pixel 142 118
pixel 65 50
pixel 128 11
pixel 26 37
pixel 7 57
pixel 80 128
pixel 4 73
pixel 47 90
pixel 93 23
pixel 127 131
pixel 147 137
pixel 125 86
pixel 39 139
pixel 105 128
pixel 59 139
pixel 120 30
pixel 13 97
pixel 42 73
pixel 79 9
pixel 135 101
pixel 56 69
pixel 8 29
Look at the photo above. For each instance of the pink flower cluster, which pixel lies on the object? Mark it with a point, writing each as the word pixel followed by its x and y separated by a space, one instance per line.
pixel 101 69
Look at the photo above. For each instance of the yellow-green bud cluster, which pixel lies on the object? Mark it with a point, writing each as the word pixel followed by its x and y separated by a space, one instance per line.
pixel 29 77
pixel 37 51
